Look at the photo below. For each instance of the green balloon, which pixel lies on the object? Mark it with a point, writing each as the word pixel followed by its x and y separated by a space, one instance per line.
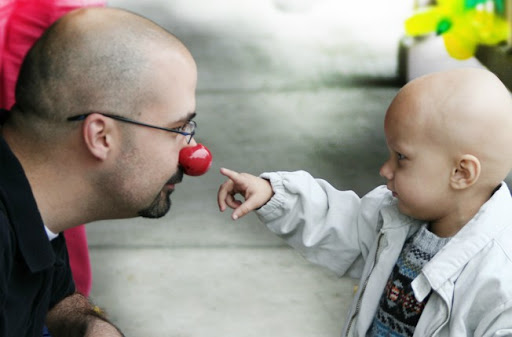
pixel 443 26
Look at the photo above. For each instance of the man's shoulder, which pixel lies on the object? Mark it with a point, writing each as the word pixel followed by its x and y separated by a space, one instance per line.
pixel 6 232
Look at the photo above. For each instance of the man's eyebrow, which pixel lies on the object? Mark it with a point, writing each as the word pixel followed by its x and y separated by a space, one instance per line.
pixel 191 116
pixel 187 118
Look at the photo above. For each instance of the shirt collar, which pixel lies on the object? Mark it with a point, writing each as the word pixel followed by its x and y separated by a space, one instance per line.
pixel 51 235
pixel 22 212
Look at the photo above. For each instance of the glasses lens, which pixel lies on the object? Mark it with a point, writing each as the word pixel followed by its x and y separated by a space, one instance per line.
pixel 189 127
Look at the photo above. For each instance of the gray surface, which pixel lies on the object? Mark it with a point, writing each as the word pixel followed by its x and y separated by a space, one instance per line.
pixel 283 85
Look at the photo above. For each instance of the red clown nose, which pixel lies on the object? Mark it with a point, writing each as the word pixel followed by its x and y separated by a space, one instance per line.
pixel 195 160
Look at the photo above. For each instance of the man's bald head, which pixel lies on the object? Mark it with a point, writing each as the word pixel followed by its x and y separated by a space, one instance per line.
pixel 464 111
pixel 93 59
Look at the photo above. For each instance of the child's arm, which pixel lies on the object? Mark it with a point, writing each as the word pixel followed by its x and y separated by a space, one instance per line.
pixel 329 227
pixel 256 192
pixel 313 217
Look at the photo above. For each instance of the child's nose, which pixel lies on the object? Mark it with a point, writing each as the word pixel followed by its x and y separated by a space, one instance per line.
pixel 386 171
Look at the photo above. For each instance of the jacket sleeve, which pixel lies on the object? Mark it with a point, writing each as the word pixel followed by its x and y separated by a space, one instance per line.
pixel 328 227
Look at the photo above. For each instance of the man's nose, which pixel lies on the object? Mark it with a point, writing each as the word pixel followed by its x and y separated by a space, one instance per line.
pixel 192 142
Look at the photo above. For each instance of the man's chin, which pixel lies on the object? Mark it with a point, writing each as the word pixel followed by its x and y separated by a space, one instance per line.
pixel 158 208
pixel 154 214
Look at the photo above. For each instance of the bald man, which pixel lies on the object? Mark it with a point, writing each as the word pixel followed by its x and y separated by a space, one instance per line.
pixel 86 140
pixel 433 248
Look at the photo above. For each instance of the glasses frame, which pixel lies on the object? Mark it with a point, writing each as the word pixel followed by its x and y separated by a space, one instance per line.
pixel 190 135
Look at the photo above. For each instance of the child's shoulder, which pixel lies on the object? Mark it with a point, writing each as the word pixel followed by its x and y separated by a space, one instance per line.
pixel 488 278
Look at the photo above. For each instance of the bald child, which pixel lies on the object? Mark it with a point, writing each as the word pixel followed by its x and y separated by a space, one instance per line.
pixel 432 248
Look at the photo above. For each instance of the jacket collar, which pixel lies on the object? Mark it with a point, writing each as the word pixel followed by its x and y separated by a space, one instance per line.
pixel 392 218
pixel 492 218
pixel 22 212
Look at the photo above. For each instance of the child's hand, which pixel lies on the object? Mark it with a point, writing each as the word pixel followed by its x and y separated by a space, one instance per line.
pixel 255 190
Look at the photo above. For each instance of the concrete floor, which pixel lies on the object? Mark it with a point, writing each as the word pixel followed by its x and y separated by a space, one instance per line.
pixel 283 85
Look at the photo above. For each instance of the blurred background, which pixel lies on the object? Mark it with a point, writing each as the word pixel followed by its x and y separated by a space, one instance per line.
pixel 283 85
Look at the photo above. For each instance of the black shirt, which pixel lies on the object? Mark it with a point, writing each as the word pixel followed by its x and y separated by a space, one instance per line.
pixel 34 272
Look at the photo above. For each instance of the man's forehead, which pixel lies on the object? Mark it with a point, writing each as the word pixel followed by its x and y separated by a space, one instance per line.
pixel 180 118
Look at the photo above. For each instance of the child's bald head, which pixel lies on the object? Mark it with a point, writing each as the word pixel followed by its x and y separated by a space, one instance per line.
pixel 449 137
pixel 464 112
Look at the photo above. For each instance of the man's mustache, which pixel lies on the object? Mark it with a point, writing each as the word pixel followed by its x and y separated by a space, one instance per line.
pixel 177 177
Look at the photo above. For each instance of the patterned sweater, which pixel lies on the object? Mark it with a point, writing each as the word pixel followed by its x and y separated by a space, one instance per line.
pixel 399 311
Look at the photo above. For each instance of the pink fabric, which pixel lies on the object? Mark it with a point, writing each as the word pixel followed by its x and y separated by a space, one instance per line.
pixel 78 250
pixel 21 24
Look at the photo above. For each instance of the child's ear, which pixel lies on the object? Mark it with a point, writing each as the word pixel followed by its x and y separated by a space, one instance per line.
pixel 466 172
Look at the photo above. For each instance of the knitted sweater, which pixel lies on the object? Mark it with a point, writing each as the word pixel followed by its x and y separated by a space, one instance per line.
pixel 399 311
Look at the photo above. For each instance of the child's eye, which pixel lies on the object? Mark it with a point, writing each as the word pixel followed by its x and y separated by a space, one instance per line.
pixel 400 156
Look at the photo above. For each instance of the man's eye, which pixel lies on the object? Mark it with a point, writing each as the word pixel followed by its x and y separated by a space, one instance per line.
pixel 182 127
pixel 400 156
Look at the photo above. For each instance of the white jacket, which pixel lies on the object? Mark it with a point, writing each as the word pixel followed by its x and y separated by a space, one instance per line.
pixel 470 277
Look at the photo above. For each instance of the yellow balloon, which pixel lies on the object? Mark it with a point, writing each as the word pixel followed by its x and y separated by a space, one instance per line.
pixel 460 43
pixel 451 5
pixel 491 29
pixel 462 28
pixel 422 23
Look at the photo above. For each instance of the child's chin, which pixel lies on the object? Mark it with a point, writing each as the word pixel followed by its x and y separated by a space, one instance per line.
pixel 404 210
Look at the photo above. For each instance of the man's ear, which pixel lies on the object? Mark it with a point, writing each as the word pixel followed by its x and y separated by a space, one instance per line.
pixel 97 135
pixel 466 172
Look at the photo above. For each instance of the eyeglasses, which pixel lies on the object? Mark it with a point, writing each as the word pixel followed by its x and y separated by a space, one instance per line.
pixel 188 129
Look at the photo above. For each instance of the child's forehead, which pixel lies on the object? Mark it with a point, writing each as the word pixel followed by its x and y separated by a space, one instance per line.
pixel 404 116
pixel 418 107
pixel 404 127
